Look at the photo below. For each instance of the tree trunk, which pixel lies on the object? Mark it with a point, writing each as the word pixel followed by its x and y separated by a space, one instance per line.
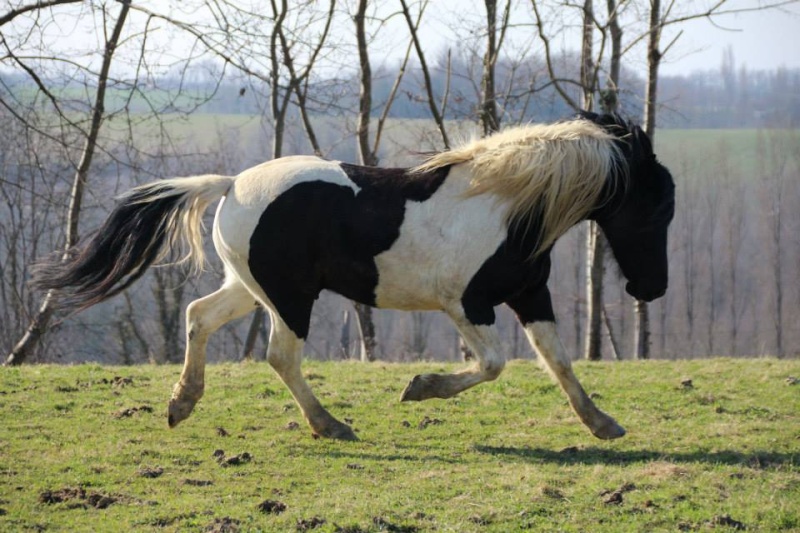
pixel 257 325
pixel 641 311
pixel 595 269
pixel 641 329
pixel 366 327
pixel 587 61
pixel 488 113
pixel 615 351
pixel 368 157
pixel 40 321
pixel 278 107
pixel 595 266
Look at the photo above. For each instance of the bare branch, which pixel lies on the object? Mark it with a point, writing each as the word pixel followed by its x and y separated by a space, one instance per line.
pixel 548 56
pixel 437 117
pixel 393 94
pixel 14 13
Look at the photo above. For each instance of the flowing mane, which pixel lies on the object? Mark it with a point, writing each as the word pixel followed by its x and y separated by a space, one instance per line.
pixel 548 174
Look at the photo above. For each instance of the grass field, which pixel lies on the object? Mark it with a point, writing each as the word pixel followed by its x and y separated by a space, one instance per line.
pixel 86 448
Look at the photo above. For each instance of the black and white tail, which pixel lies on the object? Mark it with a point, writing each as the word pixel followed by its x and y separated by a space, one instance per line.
pixel 143 228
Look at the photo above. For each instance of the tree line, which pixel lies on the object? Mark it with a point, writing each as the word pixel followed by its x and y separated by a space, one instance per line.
pixel 84 121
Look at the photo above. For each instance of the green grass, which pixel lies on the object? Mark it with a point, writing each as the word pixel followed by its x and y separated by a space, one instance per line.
pixel 506 456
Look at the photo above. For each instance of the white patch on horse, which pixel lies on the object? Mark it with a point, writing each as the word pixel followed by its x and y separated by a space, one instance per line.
pixel 255 188
pixel 443 242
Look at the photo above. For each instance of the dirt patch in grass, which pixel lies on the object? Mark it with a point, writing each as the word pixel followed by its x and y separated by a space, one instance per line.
pixel 727 522
pixel 150 471
pixel 198 482
pixel 428 421
pixel 77 497
pixel 167 521
pixel 385 525
pixel 223 525
pixel 307 524
pixel 130 411
pixel 271 507
pixel 615 497
pixel 234 460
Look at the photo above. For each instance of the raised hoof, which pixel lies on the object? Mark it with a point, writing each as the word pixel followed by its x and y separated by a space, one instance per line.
pixel 422 387
pixel 337 431
pixel 610 430
pixel 180 407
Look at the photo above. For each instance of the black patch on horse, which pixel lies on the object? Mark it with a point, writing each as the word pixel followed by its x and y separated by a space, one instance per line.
pixel 506 276
pixel 320 235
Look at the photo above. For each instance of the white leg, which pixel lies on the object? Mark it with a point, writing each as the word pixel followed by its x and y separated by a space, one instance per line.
pixel 484 343
pixel 203 317
pixel 545 340
pixel 284 355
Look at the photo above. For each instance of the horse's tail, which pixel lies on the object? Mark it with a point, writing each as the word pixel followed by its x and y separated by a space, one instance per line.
pixel 147 223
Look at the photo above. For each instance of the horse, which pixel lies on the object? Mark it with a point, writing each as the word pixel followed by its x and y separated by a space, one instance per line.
pixel 466 230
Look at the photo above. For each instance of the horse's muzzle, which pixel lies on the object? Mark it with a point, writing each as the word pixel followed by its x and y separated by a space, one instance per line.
pixel 644 293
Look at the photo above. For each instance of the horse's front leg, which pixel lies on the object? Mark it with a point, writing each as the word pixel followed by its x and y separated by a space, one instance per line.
pixel 484 342
pixel 545 341
pixel 203 317
pixel 535 312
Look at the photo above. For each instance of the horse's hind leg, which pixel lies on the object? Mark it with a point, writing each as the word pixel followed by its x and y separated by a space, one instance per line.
pixel 484 342
pixel 284 355
pixel 203 317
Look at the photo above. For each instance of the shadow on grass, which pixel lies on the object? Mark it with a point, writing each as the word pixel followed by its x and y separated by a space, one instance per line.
pixel 413 458
pixel 592 455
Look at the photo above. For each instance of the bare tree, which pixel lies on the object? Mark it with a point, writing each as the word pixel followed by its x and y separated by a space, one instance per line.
pixel 772 164
pixel 40 321
pixel 368 146
pixel 297 84
pixel 591 62
pixel 660 18
pixel 489 117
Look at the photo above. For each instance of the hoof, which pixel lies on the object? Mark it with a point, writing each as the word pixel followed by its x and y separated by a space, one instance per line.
pixel 180 406
pixel 422 387
pixel 609 430
pixel 337 431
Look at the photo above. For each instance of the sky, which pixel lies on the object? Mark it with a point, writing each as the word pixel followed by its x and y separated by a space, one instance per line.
pixel 760 40
pixel 765 39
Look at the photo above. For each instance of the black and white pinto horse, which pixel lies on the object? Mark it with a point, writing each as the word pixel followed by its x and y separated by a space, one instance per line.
pixel 467 230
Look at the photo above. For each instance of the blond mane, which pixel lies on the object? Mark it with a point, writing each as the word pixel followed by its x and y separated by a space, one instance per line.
pixel 553 171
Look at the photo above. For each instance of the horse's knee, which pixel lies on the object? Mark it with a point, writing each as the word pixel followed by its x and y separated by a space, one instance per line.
pixel 284 356
pixel 277 360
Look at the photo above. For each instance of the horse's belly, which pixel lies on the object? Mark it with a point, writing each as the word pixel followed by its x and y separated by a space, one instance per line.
pixel 407 288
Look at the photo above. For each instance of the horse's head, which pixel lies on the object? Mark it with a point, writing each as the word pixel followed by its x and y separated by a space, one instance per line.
pixel 637 213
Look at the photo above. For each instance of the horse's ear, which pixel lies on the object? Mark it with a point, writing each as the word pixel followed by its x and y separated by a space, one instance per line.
pixel 643 147
pixel 588 115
